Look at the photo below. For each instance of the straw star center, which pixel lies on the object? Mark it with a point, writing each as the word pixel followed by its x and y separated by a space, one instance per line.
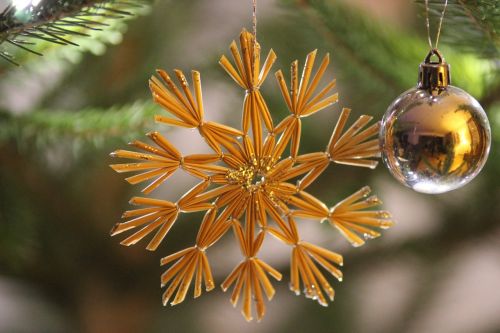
pixel 251 177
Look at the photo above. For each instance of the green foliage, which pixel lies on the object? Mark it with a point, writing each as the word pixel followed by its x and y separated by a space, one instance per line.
pixel 382 60
pixel 37 28
pixel 92 125
pixel 471 25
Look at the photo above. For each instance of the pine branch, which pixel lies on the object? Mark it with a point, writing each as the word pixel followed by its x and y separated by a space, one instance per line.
pixel 470 25
pixel 92 125
pixel 56 22
pixel 379 61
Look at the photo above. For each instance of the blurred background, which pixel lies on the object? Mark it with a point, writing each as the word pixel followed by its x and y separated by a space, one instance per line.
pixel 436 270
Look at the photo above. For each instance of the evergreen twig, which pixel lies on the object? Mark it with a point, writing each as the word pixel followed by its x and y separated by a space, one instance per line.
pixel 56 22
pixel 380 61
pixel 94 125
pixel 471 25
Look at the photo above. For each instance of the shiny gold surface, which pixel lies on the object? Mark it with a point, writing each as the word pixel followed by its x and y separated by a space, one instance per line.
pixel 435 143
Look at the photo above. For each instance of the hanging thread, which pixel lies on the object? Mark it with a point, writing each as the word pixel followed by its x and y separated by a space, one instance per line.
pixel 439 26
pixel 254 31
pixel 254 19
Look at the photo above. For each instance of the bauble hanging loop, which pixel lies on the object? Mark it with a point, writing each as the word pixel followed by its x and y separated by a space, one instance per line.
pixel 435 137
pixel 434 75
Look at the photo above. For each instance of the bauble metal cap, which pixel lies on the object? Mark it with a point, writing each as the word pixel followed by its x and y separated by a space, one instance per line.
pixel 434 75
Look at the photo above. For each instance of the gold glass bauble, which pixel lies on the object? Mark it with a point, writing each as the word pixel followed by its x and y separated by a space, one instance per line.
pixel 435 137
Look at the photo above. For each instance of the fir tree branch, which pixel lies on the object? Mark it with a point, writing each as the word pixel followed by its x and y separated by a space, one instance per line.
pixel 470 25
pixel 372 53
pixel 56 22
pixel 90 125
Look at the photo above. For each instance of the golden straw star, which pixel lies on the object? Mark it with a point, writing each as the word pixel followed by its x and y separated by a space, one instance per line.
pixel 249 184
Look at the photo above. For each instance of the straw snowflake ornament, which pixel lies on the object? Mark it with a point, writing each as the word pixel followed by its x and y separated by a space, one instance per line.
pixel 248 185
